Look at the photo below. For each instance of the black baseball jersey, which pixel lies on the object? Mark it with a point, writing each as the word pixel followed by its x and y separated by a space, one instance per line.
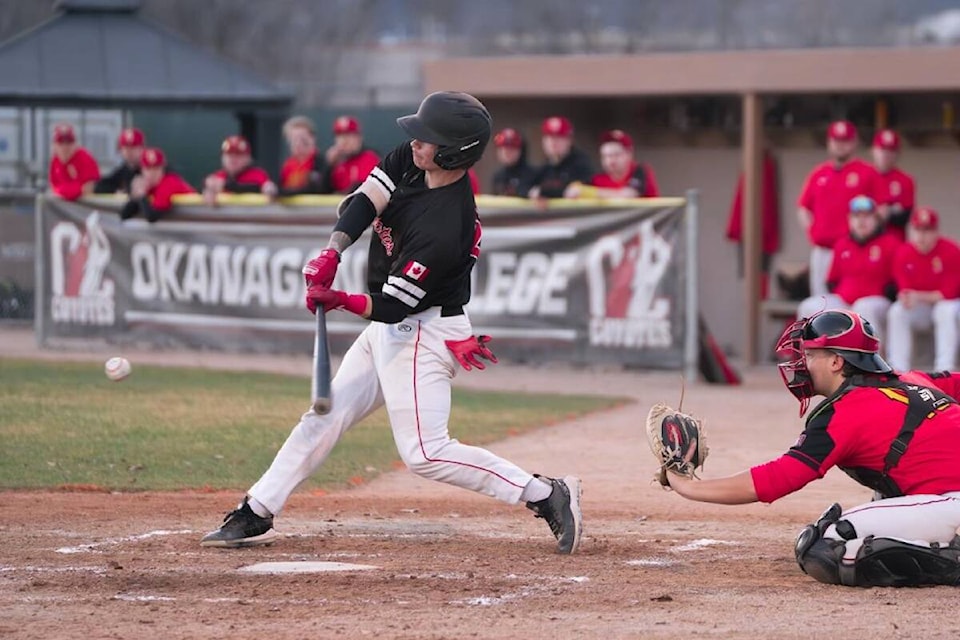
pixel 515 180
pixel 426 241
pixel 554 178
pixel 117 180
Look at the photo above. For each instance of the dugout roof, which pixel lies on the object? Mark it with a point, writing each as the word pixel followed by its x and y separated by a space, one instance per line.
pixel 101 53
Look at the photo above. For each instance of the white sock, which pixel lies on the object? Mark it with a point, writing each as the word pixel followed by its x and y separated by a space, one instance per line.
pixel 536 490
pixel 258 508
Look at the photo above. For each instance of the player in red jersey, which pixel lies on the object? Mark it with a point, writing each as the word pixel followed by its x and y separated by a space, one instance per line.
pixel 897 188
pixel 927 271
pixel 623 176
pixel 350 162
pixel 305 171
pixel 73 171
pixel 898 434
pixel 861 273
pixel 152 191
pixel 822 207
pixel 239 174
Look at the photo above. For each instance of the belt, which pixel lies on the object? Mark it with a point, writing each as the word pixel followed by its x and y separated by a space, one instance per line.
pixel 449 310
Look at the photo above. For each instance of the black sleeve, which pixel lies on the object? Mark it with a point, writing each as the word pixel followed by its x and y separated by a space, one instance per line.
pixel 583 169
pixel 130 209
pixel 232 186
pixel 110 183
pixel 356 216
pixel 890 291
pixel 151 214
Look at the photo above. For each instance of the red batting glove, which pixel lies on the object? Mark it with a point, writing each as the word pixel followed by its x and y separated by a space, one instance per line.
pixel 322 269
pixel 331 299
pixel 465 351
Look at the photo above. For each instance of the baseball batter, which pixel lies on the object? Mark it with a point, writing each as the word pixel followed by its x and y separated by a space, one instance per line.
pixel 927 271
pixel 898 434
pixel 425 243
pixel 861 272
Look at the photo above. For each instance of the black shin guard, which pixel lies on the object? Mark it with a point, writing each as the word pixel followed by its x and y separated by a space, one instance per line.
pixel 886 562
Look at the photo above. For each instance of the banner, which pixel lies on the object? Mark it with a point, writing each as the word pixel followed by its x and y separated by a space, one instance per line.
pixel 582 285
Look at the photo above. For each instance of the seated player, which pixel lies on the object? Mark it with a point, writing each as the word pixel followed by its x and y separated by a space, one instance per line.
pixel 130 143
pixel 238 174
pixel 151 193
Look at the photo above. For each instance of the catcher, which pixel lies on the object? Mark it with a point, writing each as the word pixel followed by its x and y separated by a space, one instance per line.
pixel 897 433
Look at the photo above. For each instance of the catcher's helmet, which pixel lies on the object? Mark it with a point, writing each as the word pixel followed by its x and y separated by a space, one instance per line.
pixel 843 332
pixel 456 122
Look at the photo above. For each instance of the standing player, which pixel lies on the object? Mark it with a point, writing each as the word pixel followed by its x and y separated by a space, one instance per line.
pixel 73 171
pixel 130 143
pixel 898 434
pixel 425 243
pixel 927 271
pixel 151 193
pixel 305 171
pixel 623 176
pixel 823 202
pixel 565 164
pixel 350 162
pixel 896 189
pixel 515 175
pixel 238 174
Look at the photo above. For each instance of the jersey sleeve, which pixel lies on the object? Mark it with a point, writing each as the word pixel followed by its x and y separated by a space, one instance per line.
pixel 389 172
pixel 780 477
pixel 653 189
pixel 946 381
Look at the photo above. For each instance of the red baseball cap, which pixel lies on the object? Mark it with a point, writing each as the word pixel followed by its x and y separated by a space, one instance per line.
pixel 557 126
pixel 925 218
pixel 130 138
pixel 235 145
pixel 346 124
pixel 152 157
pixel 887 139
pixel 617 135
pixel 63 133
pixel 508 138
pixel 842 130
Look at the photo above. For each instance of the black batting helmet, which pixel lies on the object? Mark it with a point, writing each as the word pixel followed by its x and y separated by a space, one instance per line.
pixel 456 122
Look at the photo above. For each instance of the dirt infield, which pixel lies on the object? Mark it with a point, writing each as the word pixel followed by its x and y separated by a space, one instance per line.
pixel 451 564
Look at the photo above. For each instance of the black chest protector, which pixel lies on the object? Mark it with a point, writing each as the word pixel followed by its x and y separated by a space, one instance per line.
pixel 922 403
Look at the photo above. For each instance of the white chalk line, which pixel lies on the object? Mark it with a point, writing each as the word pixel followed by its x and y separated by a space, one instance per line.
pixel 93 546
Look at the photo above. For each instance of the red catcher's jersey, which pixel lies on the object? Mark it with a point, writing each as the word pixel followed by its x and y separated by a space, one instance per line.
pixel 938 270
pixel 854 430
pixel 860 270
pixel 67 178
pixel 827 195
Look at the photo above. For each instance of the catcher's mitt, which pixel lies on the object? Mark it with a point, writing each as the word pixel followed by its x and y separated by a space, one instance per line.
pixel 677 440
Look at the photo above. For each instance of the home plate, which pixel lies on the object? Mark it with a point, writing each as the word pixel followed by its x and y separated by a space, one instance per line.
pixel 304 567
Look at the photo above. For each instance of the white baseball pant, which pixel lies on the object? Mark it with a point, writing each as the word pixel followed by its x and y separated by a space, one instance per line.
pixel 873 309
pixel 408 367
pixel 820 260
pixel 919 519
pixel 941 316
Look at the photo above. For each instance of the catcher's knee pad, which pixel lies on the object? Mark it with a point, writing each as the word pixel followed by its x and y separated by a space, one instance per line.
pixel 820 557
pixel 888 562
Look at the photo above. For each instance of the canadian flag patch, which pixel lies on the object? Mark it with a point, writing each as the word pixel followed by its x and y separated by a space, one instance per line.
pixel 415 271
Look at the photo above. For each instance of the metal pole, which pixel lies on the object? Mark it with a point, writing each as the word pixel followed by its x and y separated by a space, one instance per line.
pixel 39 274
pixel 691 347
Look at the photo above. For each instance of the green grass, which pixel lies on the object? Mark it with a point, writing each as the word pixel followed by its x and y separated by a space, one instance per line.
pixel 65 424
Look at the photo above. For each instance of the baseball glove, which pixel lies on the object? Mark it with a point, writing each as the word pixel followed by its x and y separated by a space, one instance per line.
pixel 677 440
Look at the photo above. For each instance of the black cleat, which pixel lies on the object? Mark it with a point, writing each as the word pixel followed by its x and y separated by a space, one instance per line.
pixel 241 528
pixel 562 512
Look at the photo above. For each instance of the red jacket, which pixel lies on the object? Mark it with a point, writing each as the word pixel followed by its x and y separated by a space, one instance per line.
pixel 769 209
pixel 67 178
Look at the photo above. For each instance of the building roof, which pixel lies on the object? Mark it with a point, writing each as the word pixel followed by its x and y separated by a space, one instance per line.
pixel 712 73
pixel 102 53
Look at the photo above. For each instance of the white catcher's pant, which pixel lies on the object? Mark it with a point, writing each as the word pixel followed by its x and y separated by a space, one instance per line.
pixel 408 367
pixel 940 316
pixel 920 520
pixel 872 308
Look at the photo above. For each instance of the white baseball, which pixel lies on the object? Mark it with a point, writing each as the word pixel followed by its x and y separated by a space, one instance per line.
pixel 117 368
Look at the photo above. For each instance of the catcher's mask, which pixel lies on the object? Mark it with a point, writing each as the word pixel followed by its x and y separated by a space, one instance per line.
pixel 843 332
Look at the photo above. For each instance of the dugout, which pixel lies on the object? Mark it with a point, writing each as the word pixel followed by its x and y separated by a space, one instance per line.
pixel 701 118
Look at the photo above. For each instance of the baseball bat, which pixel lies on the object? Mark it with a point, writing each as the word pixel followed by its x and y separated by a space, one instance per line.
pixel 320 389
